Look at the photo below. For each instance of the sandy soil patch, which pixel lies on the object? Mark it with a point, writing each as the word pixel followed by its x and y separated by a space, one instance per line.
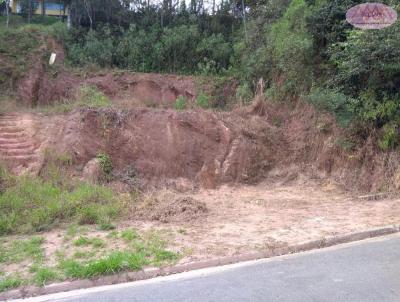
pixel 248 218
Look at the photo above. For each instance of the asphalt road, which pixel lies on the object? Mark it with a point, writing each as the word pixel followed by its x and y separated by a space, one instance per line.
pixel 364 271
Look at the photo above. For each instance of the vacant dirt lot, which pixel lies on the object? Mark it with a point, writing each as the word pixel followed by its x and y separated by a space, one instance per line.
pixel 239 220
pixel 248 218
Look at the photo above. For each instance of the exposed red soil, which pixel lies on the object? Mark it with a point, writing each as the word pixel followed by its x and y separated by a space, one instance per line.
pixel 39 87
pixel 163 145
pixel 189 149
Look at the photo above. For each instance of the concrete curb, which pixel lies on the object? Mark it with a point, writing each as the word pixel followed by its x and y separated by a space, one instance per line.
pixel 31 291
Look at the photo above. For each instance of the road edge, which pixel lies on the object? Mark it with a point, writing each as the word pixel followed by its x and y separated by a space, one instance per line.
pixel 32 291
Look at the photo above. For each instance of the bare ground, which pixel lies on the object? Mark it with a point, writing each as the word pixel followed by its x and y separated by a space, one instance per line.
pixel 241 220
pixel 248 218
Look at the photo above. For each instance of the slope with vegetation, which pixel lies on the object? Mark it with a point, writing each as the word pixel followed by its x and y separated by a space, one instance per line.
pixel 302 48
pixel 105 126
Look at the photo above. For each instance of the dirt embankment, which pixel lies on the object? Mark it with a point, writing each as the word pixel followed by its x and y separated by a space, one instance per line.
pixel 187 149
pixel 190 148
pixel 170 147
pixel 45 86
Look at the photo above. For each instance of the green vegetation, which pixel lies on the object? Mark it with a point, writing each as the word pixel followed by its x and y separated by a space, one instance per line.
pixel 143 250
pixel 20 250
pixel 202 101
pixel 7 283
pixel 16 45
pixel 85 241
pixel 32 204
pixel 305 48
pixel 87 96
pixel 87 257
pixel 44 275
pixel 105 164
pixel 180 103
pixel 113 263
pixel 129 235
pixel 90 96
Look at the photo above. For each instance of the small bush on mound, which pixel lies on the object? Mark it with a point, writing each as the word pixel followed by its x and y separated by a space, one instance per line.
pixel 105 164
pixel 203 101
pixel 335 102
pixel 180 103
pixel 32 204
pixel 90 96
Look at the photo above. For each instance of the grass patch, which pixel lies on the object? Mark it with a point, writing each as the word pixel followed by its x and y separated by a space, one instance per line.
pixel 32 204
pixel 180 103
pixel 149 249
pixel 203 101
pixel 85 241
pixel 113 234
pixel 129 235
pixel 111 264
pixel 20 250
pixel 106 226
pixel 8 283
pixel 91 97
pixel 44 275
pixel 84 255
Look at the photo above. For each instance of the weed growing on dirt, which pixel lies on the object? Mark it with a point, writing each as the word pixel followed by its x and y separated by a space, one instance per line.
pixel 113 234
pixel 43 275
pixel 129 235
pixel 202 101
pixel 106 226
pixel 84 255
pixel 20 250
pixel 7 283
pixel 85 241
pixel 105 164
pixel 155 244
pixel 91 97
pixel 180 103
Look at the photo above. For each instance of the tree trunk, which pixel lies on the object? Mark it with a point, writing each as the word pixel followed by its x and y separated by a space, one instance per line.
pixel 88 11
pixel 244 21
pixel 7 13
pixel 29 11
pixel 42 4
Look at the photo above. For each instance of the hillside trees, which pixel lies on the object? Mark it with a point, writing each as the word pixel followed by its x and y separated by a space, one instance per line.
pixel 5 9
pixel 144 36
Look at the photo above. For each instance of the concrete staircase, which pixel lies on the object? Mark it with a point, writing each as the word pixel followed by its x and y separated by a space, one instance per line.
pixel 17 149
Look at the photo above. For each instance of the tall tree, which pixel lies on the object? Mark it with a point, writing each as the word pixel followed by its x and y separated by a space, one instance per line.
pixel 7 2
pixel 43 7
